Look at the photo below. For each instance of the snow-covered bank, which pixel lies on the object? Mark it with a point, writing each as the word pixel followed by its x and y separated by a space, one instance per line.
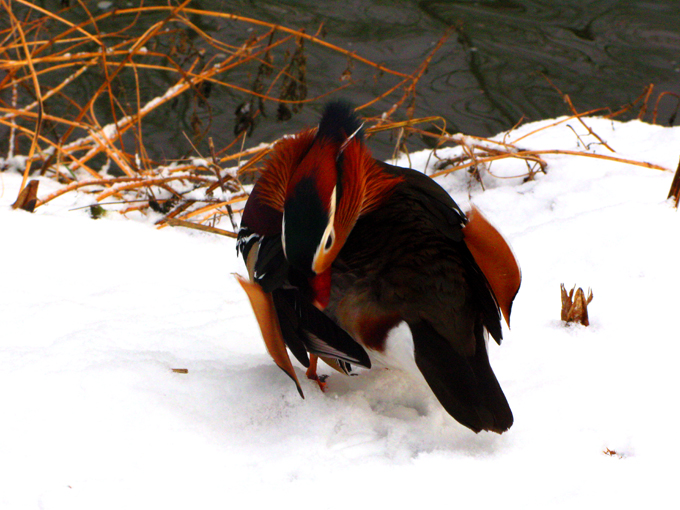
pixel 95 315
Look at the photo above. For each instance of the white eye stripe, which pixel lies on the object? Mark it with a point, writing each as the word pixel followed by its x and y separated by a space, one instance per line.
pixel 329 233
pixel 330 228
pixel 349 139
pixel 331 214
pixel 329 240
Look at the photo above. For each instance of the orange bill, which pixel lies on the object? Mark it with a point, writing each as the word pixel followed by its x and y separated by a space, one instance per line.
pixel 263 306
pixel 495 258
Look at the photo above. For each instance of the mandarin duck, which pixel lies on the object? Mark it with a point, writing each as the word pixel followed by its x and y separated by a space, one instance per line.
pixel 341 248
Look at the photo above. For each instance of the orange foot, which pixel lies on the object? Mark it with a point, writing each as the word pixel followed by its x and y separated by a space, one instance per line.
pixel 311 373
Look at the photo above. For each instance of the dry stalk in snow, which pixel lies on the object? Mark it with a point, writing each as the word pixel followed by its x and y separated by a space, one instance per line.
pixel 110 161
pixel 575 305
pixel 674 192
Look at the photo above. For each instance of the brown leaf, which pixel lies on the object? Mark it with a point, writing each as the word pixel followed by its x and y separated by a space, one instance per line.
pixel 674 192
pixel 612 453
pixel 566 302
pixel 28 197
pixel 575 305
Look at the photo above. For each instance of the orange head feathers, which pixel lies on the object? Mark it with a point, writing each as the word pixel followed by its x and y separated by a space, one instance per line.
pixel 320 181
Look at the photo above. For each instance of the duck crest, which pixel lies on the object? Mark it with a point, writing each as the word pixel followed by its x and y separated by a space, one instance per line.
pixel 339 123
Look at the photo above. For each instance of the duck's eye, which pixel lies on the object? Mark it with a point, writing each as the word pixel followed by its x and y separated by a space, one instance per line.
pixel 329 241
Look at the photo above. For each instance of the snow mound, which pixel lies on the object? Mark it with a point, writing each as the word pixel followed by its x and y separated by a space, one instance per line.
pixel 96 315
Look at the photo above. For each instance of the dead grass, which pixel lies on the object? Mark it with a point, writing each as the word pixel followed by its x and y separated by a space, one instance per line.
pixel 110 161
pixel 575 305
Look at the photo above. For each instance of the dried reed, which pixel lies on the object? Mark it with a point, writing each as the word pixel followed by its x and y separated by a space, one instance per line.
pixel 55 131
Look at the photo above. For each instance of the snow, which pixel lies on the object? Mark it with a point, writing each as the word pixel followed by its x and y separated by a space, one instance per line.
pixel 96 314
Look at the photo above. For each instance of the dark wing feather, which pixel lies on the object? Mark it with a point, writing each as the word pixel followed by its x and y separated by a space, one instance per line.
pixel 304 326
pixel 465 386
pixel 271 267
pixel 291 330
pixel 409 258
pixel 450 220
pixel 434 198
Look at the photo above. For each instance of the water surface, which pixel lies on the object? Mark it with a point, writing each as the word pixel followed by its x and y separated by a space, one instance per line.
pixel 503 62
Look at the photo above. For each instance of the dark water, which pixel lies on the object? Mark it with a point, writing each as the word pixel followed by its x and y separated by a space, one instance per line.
pixel 489 74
